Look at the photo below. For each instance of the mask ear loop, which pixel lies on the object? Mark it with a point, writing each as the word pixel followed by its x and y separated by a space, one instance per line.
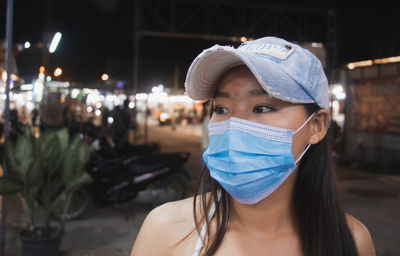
pixel 301 127
pixel 302 154
pixel 308 146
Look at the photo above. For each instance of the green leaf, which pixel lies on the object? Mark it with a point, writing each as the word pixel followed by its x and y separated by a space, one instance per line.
pixel 74 184
pixel 37 172
pixel 46 143
pixel 77 182
pixel 64 141
pixel 19 155
pixel 9 148
pixel 76 158
pixel 10 186
pixel 49 147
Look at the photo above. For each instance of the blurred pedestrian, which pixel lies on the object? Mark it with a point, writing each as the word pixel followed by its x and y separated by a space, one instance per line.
pixel 121 124
pixel 268 187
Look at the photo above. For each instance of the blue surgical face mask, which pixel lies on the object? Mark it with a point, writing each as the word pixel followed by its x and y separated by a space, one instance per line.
pixel 250 160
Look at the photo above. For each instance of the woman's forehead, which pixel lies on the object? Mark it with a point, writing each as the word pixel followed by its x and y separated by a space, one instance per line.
pixel 239 82
pixel 250 92
pixel 243 85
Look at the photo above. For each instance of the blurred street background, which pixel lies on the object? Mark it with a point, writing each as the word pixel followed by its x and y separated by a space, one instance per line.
pixel 110 74
pixel 372 198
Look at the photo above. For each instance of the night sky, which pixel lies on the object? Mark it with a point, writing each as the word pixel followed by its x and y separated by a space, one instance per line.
pixel 98 38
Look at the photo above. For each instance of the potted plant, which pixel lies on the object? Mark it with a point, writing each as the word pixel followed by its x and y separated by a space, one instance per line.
pixel 42 171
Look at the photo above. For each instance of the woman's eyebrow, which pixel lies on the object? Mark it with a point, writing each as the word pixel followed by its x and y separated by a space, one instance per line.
pixel 219 94
pixel 257 92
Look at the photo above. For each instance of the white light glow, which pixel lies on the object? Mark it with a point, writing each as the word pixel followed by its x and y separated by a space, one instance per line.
pixel 48 78
pixel 387 60
pixel 164 116
pixel 54 42
pixel 110 97
pixel 158 89
pixel 141 96
pixel 93 97
pixel 338 92
pixel 98 105
pixel 89 109
pixel 180 98
pixel 341 96
pixel 110 120
pixel 29 106
pixel 75 93
pixel 243 39
pixel 131 104
pixel 335 105
pixel 366 63
pixel 104 77
pixel 97 112
pixel 122 97
pixel 337 89
pixel 317 45
pixel 29 96
pixel 38 90
pixel 363 63
pixel 26 87
pixel 58 72
pixel 27 45
pixel 159 97
pixel 19 99
pixel 4 76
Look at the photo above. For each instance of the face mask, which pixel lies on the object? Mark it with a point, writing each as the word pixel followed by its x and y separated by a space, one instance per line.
pixel 250 160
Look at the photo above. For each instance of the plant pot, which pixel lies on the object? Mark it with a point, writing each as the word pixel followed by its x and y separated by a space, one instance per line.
pixel 43 246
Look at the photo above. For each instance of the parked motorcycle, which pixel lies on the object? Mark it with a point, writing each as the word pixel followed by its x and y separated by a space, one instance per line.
pixel 158 176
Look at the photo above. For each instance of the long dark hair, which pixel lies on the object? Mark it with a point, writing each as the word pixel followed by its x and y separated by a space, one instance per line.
pixel 318 211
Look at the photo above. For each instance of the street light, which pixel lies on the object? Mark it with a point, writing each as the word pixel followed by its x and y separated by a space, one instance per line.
pixel 54 42
pixel 27 45
pixel 104 77
pixel 57 72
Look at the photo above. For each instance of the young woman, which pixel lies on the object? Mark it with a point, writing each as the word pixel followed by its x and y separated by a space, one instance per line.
pixel 268 187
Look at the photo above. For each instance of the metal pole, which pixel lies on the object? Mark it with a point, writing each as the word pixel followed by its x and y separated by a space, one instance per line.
pixel 9 27
pixel 191 36
pixel 136 42
pixel 146 120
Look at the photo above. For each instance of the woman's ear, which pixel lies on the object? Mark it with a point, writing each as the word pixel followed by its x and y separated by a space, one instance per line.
pixel 319 126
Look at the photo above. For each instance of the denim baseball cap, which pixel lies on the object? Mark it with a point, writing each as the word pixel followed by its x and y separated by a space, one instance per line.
pixel 285 70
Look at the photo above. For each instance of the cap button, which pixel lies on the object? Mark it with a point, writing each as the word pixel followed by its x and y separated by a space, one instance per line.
pixel 288 46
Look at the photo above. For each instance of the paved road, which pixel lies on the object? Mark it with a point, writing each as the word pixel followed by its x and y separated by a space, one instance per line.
pixel 373 199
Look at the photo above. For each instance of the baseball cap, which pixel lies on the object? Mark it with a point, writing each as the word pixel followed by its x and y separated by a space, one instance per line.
pixel 285 70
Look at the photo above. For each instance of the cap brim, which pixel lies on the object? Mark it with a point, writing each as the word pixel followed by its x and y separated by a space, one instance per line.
pixel 206 70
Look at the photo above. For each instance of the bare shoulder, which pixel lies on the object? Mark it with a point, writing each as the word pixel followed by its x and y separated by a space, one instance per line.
pixel 362 237
pixel 164 227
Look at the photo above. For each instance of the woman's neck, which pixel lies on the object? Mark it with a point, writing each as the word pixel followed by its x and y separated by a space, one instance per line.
pixel 271 215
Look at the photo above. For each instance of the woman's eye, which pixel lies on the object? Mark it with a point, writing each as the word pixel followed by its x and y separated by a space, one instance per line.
pixel 220 110
pixel 261 109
